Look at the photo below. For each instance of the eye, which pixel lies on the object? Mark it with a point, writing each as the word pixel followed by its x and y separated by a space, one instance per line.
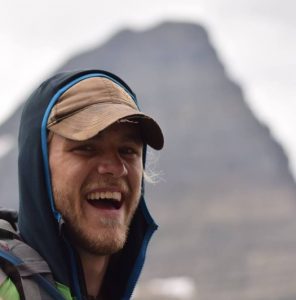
pixel 130 150
pixel 84 149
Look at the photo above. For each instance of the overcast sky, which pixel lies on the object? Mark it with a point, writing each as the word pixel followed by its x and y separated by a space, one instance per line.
pixel 255 40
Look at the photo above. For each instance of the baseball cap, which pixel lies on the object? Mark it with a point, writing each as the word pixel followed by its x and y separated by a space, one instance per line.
pixel 93 104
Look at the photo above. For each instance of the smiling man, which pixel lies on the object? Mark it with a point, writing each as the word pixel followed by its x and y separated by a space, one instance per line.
pixel 82 217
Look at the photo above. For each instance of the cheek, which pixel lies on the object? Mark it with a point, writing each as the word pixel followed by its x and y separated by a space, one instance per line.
pixel 136 178
pixel 66 176
pixel 65 166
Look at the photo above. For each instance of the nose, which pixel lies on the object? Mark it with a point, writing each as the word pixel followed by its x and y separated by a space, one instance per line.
pixel 111 164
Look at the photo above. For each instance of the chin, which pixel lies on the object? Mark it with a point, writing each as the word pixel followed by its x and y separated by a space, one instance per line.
pixel 105 241
pixel 109 246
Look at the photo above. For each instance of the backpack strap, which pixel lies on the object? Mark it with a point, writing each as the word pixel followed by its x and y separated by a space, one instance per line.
pixel 24 266
pixel 7 232
pixel 9 215
pixel 3 277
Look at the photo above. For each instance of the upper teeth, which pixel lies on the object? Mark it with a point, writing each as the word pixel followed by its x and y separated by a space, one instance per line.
pixel 104 195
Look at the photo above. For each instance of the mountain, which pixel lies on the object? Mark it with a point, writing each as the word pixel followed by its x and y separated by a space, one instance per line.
pixel 226 200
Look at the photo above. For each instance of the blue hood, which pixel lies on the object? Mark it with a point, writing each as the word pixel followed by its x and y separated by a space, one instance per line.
pixel 40 224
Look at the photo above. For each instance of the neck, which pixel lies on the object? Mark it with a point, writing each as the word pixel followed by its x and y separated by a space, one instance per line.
pixel 94 269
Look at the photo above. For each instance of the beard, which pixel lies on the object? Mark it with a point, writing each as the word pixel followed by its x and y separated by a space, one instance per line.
pixel 108 239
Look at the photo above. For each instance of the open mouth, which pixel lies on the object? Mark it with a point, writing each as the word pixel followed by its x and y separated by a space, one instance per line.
pixel 105 200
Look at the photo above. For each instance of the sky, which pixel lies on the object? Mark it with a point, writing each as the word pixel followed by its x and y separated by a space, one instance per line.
pixel 254 39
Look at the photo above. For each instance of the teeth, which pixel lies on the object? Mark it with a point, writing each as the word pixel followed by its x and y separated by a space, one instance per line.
pixel 116 196
pixel 104 195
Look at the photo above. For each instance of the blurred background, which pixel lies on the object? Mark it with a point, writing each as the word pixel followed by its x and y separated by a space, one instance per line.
pixel 219 76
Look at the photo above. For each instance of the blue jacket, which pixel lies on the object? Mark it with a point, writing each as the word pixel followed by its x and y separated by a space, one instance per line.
pixel 40 224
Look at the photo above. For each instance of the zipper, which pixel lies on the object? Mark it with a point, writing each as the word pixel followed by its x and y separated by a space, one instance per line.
pixel 134 277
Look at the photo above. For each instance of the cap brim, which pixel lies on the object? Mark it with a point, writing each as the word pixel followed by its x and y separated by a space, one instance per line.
pixel 88 122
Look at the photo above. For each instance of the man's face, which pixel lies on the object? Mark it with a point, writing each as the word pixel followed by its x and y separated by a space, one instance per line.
pixel 97 184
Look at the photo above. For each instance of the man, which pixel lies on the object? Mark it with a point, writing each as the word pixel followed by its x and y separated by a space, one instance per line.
pixel 82 147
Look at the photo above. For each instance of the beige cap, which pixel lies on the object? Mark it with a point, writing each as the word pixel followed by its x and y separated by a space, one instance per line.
pixel 95 103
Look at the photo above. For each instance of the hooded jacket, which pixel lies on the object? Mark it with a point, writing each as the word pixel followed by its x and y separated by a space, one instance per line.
pixel 41 225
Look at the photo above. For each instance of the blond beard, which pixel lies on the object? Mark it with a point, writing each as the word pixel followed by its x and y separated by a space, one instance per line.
pixel 109 239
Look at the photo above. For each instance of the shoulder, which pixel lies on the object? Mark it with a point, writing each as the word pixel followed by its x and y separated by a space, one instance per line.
pixel 8 290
